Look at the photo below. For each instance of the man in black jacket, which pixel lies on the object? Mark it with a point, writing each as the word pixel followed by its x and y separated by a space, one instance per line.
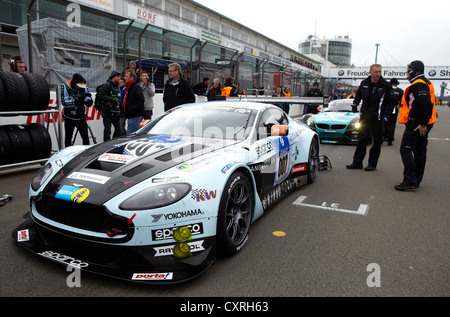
pixel 133 102
pixel 177 91
pixel 375 93
pixel 418 113
pixel 110 99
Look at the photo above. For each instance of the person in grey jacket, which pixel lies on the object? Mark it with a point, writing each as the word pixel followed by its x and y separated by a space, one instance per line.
pixel 148 89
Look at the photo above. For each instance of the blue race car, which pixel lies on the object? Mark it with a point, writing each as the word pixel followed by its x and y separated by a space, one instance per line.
pixel 156 206
pixel 336 123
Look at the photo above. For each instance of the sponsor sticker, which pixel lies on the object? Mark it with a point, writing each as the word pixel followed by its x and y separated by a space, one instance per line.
pixel 64 259
pixel 152 276
pixel 166 250
pixel 23 235
pixel 72 193
pixel 116 158
pixel 89 177
pixel 167 233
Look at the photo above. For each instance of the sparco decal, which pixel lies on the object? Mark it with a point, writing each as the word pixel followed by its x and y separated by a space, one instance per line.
pixel 167 233
pixel 264 148
pixel 64 259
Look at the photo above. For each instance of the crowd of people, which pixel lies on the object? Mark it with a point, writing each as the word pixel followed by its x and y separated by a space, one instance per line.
pixel 124 102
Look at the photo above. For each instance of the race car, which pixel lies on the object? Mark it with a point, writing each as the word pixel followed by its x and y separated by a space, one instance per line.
pixel 156 206
pixel 336 123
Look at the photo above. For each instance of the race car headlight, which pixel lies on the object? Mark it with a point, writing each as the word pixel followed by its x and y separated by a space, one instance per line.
pixel 155 197
pixel 354 125
pixel 41 176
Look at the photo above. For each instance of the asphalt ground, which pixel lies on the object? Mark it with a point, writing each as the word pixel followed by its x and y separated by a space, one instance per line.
pixel 315 243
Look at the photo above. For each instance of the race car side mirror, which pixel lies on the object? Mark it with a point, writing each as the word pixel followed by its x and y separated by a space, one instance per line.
pixel 279 130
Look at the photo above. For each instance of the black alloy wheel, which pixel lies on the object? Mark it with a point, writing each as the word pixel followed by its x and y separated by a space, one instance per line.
pixel 235 214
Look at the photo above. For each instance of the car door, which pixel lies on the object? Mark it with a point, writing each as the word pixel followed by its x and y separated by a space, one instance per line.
pixel 272 165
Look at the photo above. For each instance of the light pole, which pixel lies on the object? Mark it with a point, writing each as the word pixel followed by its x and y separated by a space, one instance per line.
pixel 376 54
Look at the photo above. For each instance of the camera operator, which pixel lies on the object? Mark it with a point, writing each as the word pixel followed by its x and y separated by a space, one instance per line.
pixel 111 106
pixel 75 97
pixel 148 89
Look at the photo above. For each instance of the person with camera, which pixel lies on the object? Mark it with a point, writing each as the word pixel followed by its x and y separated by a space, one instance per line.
pixel 148 89
pixel 75 97
pixel 111 106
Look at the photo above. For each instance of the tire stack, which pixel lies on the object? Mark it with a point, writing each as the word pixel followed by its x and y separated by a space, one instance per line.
pixel 23 92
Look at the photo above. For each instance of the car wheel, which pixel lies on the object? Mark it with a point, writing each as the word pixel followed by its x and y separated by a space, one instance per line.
pixel 313 161
pixel 235 214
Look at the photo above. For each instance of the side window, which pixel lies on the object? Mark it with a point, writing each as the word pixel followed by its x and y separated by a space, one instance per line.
pixel 270 118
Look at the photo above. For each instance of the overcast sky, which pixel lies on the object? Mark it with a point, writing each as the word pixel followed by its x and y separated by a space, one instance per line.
pixel 405 30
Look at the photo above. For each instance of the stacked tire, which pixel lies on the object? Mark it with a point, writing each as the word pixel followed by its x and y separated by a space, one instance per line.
pixel 23 143
pixel 23 92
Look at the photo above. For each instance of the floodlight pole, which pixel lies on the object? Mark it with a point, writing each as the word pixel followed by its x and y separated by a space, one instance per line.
pixel 30 59
pixel 376 54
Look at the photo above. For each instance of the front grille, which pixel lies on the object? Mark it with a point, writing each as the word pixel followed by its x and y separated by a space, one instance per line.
pixel 82 216
pixel 323 126
pixel 338 126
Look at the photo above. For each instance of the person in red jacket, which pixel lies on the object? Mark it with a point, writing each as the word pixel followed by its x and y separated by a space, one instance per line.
pixel 133 102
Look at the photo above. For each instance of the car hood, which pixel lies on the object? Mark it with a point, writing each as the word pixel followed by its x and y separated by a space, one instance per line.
pixel 335 117
pixel 105 170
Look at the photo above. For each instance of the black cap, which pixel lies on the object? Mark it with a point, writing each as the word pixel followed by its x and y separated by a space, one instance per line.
pixel 114 73
pixel 417 66
pixel 79 80
pixel 394 81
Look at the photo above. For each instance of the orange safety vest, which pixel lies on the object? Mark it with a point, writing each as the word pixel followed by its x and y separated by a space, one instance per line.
pixel 287 94
pixel 405 108
pixel 226 91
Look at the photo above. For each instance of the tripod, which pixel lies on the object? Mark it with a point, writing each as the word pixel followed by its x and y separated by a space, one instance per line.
pixel 91 134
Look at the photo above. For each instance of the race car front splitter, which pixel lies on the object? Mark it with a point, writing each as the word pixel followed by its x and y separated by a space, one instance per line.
pixel 151 264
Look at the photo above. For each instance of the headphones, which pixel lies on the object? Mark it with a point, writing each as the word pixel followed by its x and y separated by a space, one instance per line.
pixel 411 69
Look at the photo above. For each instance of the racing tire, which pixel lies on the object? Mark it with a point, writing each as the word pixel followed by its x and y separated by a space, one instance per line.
pixel 235 214
pixel 2 95
pixel 40 140
pixel 313 161
pixel 5 147
pixel 39 90
pixel 16 92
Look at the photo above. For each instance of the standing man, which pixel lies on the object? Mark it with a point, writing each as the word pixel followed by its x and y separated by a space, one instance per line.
pixel 201 88
pixel 215 90
pixel 177 91
pixel 133 102
pixel 148 89
pixel 375 93
pixel 110 99
pixel 314 92
pixel 397 94
pixel 74 98
pixel 418 113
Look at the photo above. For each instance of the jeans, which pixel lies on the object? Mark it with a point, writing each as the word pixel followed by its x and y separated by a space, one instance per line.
pixel 107 122
pixel 148 114
pixel 133 124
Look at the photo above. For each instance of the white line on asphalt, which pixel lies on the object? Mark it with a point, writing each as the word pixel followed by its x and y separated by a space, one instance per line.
pixel 439 139
pixel 363 209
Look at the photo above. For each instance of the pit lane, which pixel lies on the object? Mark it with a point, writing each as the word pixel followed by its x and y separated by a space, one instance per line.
pixel 322 251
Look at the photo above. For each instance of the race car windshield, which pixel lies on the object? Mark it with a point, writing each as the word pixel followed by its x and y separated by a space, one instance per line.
pixel 339 107
pixel 206 123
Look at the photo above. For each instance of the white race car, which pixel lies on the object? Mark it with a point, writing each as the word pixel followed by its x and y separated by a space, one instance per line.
pixel 157 205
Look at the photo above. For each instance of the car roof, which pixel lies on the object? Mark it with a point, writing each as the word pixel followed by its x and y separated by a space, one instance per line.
pixel 237 104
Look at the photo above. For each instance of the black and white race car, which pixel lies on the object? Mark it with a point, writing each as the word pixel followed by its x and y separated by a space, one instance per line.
pixel 157 205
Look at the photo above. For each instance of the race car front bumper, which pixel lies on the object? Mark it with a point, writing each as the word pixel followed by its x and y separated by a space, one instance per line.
pixel 151 264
